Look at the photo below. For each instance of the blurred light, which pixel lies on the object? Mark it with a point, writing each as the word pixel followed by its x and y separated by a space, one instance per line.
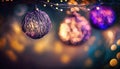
pixel 113 47
pixel 7 0
pixel 57 8
pixel 15 44
pixel 68 12
pixel 2 43
pixel 118 55
pixel 66 0
pixel 113 62
pixel 38 48
pixel 86 48
pixel 61 0
pixel 44 5
pixel 11 0
pixel 65 59
pixel 57 4
pixel 88 9
pixel 2 0
pixel 61 10
pixel 118 42
pixel 41 45
pixel 85 2
pixel 98 8
pixel 16 27
pixel 11 55
pixel 48 0
pixel 109 35
pixel 88 62
pixel 51 5
pixel 58 47
pixel 44 44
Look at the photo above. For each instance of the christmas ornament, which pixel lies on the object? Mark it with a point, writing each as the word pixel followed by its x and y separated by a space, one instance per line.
pixel 36 24
pixel 74 30
pixel 102 17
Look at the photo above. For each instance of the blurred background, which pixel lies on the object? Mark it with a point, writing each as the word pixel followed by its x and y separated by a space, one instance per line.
pixel 18 51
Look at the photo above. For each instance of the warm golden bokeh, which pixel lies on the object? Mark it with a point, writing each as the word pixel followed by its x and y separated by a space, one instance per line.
pixel 109 35
pixel 44 44
pixel 65 59
pixel 15 44
pixel 86 48
pixel 58 47
pixel 16 28
pixel 113 47
pixel 113 62
pixel 88 62
pixel 118 55
pixel 16 39
pixel 11 55
pixel 2 42
pixel 73 2
pixel 85 2
pixel 39 48
pixel 118 42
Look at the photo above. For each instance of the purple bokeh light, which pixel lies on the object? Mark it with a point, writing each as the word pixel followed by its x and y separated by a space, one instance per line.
pixel 102 17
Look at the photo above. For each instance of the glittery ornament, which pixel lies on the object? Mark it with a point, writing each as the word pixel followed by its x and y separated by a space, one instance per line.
pixel 102 17
pixel 75 29
pixel 36 24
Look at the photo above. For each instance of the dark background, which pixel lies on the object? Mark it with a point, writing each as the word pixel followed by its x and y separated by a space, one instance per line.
pixel 17 51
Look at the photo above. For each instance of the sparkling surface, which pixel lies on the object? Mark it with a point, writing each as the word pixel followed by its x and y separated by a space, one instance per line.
pixel 75 29
pixel 36 24
pixel 102 17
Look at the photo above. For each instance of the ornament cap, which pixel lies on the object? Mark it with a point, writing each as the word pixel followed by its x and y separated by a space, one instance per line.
pixel 36 8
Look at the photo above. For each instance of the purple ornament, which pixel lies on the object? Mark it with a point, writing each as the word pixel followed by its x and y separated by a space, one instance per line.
pixel 75 29
pixel 36 24
pixel 102 17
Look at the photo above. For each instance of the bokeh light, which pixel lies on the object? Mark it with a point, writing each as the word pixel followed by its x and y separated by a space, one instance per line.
pixel 113 47
pixel 102 17
pixel 118 55
pixel 88 62
pixel 118 42
pixel 65 59
pixel 2 42
pixel 11 55
pixel 74 30
pixel 113 62
pixel 100 50
pixel 109 36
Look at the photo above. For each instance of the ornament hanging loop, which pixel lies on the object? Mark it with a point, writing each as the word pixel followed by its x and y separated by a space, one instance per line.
pixel 36 8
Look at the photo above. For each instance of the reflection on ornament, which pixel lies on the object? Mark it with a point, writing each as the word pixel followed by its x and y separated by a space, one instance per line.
pixel 36 24
pixel 75 29
pixel 102 17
